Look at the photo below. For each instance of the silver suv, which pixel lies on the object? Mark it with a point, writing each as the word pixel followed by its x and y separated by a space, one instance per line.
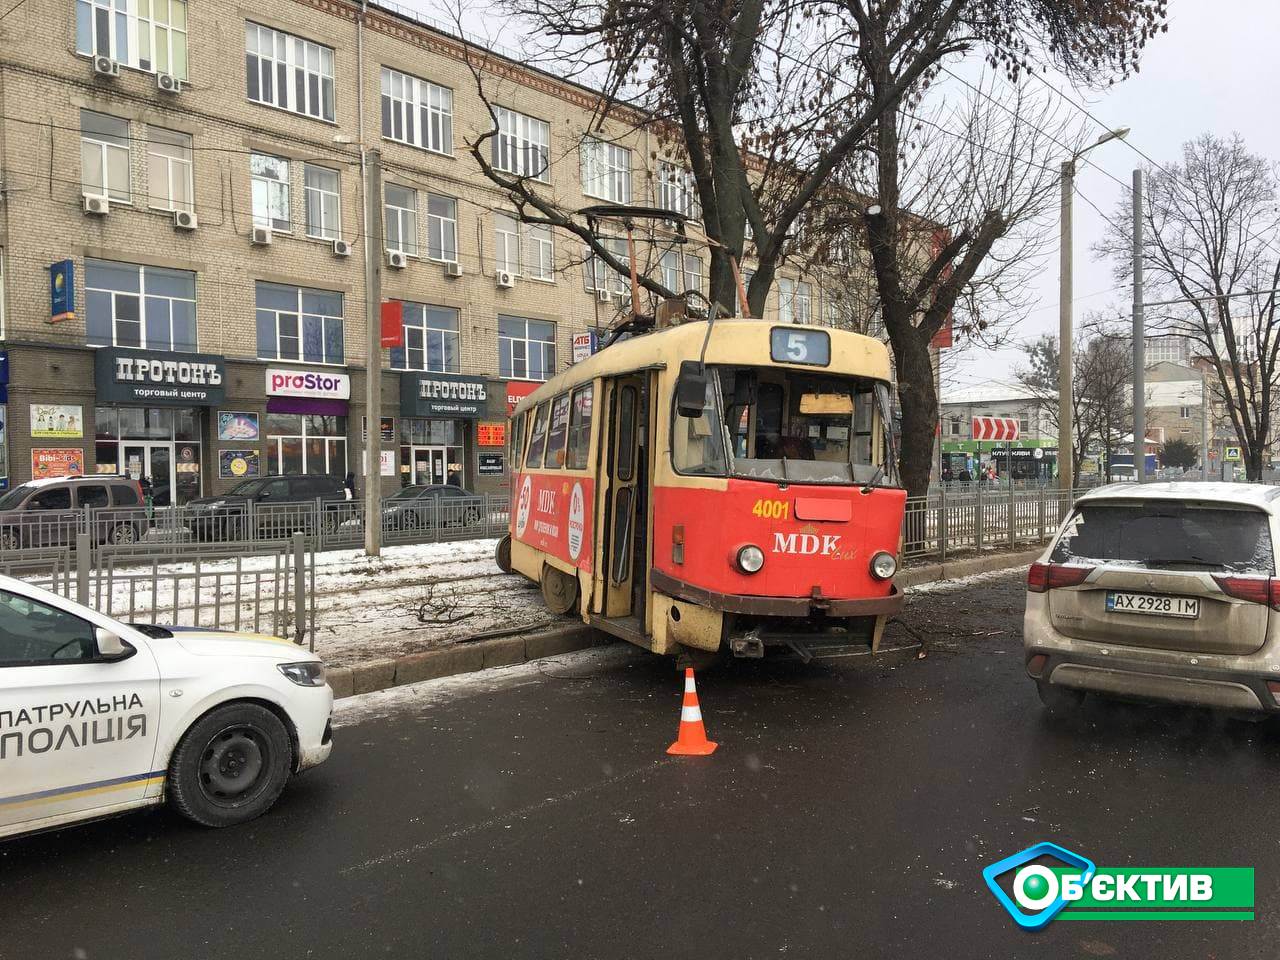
pixel 1164 591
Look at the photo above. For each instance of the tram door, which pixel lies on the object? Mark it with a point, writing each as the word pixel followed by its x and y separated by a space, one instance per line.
pixel 627 505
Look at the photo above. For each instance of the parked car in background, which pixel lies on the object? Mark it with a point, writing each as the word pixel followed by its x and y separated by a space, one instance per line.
pixel 47 512
pixel 1160 591
pixel 432 506
pixel 213 722
pixel 281 505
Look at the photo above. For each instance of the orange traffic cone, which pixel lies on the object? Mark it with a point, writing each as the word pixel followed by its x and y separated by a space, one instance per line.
pixel 692 740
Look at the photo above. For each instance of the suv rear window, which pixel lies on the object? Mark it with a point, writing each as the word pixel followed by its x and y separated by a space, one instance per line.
pixel 1168 535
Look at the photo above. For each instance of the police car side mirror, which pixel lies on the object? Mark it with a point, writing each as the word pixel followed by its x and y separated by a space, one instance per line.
pixel 691 389
pixel 110 646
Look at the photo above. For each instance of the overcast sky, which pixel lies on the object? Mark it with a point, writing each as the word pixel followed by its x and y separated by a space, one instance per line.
pixel 1217 70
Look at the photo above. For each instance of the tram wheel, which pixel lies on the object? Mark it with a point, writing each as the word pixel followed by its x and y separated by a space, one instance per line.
pixel 559 590
pixel 502 555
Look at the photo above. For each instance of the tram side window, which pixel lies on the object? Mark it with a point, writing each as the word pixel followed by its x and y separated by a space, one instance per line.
pixel 697 443
pixel 580 429
pixel 514 437
pixel 538 438
pixel 558 432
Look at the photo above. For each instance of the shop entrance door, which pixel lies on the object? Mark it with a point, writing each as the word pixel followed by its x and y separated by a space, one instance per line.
pixel 430 465
pixel 154 462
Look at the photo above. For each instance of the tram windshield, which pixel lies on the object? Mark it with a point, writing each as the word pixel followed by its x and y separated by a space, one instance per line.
pixel 795 426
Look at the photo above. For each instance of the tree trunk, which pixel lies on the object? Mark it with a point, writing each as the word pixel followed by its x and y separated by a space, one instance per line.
pixel 918 401
pixel 1253 464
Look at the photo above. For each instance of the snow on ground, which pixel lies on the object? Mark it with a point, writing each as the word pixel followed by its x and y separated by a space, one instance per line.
pixel 960 583
pixel 385 703
pixel 412 597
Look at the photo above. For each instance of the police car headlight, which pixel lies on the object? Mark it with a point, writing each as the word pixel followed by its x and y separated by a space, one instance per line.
pixel 883 566
pixel 308 673
pixel 750 559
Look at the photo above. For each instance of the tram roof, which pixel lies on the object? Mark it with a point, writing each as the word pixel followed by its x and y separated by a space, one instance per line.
pixel 735 342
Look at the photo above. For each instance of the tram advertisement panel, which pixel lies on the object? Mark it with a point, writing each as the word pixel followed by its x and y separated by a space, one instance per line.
pixel 553 514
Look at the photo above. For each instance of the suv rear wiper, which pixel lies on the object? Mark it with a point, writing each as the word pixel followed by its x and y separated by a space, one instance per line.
pixel 1192 560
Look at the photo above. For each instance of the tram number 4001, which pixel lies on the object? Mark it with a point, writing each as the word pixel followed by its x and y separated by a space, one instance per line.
pixel 772 509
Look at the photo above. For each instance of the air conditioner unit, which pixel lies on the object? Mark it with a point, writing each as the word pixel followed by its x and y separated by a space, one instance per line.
pixel 453 269
pixel 185 220
pixel 505 280
pixel 94 203
pixel 603 295
pixel 105 67
pixel 168 83
pixel 341 248
pixel 396 260
pixel 261 236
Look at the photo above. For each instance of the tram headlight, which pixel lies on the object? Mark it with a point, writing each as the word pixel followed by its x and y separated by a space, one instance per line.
pixel 883 566
pixel 750 559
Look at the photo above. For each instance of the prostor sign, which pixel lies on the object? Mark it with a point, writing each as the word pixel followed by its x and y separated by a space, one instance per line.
pixel 156 378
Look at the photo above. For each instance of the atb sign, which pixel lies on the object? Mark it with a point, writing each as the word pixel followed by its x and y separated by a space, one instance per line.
pixel 995 428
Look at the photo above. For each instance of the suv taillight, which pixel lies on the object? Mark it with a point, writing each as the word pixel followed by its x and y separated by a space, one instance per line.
pixel 1264 590
pixel 1047 576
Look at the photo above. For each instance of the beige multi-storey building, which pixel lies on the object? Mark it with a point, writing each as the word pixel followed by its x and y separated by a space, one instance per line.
pixel 182 255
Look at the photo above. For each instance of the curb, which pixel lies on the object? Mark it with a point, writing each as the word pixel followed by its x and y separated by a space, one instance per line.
pixel 504 651
pixel 954 569
pixel 463 658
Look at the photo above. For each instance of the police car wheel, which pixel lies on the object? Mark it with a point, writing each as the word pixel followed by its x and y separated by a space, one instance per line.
pixel 124 533
pixel 231 766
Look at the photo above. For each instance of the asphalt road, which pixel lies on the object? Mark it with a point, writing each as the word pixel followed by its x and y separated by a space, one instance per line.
pixel 848 813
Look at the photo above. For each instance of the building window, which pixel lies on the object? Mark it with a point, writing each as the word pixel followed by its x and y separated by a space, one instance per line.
pixel 804 303
pixel 431 340
pixel 306 443
pixel 955 426
pixel 670 267
pixel 169 170
pixel 606 171
pixel 786 301
pixel 522 145
pixel 401 215
pixel 269 186
pixel 523 248
pixel 677 190
pixel 506 243
pixel 1024 425
pixel 2 301
pixel 320 193
pixel 442 228
pixel 104 155
pixel 598 275
pixel 416 112
pixel 526 348
pixel 1184 413
pixel 150 36
pixel 692 273
pixel 285 71
pixel 151 308
pixel 297 323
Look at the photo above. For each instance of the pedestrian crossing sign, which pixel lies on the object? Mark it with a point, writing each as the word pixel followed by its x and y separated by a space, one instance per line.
pixel 1231 453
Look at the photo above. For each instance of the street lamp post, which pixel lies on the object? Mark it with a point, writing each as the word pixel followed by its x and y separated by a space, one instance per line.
pixel 1066 373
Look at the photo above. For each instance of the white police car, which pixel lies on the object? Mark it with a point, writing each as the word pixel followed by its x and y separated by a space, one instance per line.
pixel 98 717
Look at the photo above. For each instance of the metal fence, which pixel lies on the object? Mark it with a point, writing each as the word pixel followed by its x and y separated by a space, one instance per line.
pixel 974 518
pixel 259 587
pixel 326 524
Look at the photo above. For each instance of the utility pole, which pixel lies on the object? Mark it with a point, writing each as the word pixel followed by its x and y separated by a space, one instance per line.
pixel 373 368
pixel 1204 426
pixel 1066 373
pixel 1139 342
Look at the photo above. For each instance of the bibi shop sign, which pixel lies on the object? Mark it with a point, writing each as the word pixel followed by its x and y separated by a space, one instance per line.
pixel 442 395
pixel 154 378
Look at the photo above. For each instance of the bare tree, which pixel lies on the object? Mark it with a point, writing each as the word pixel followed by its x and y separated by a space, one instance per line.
pixel 956 227
pixel 764 100
pixel 1209 224
pixel 1100 399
